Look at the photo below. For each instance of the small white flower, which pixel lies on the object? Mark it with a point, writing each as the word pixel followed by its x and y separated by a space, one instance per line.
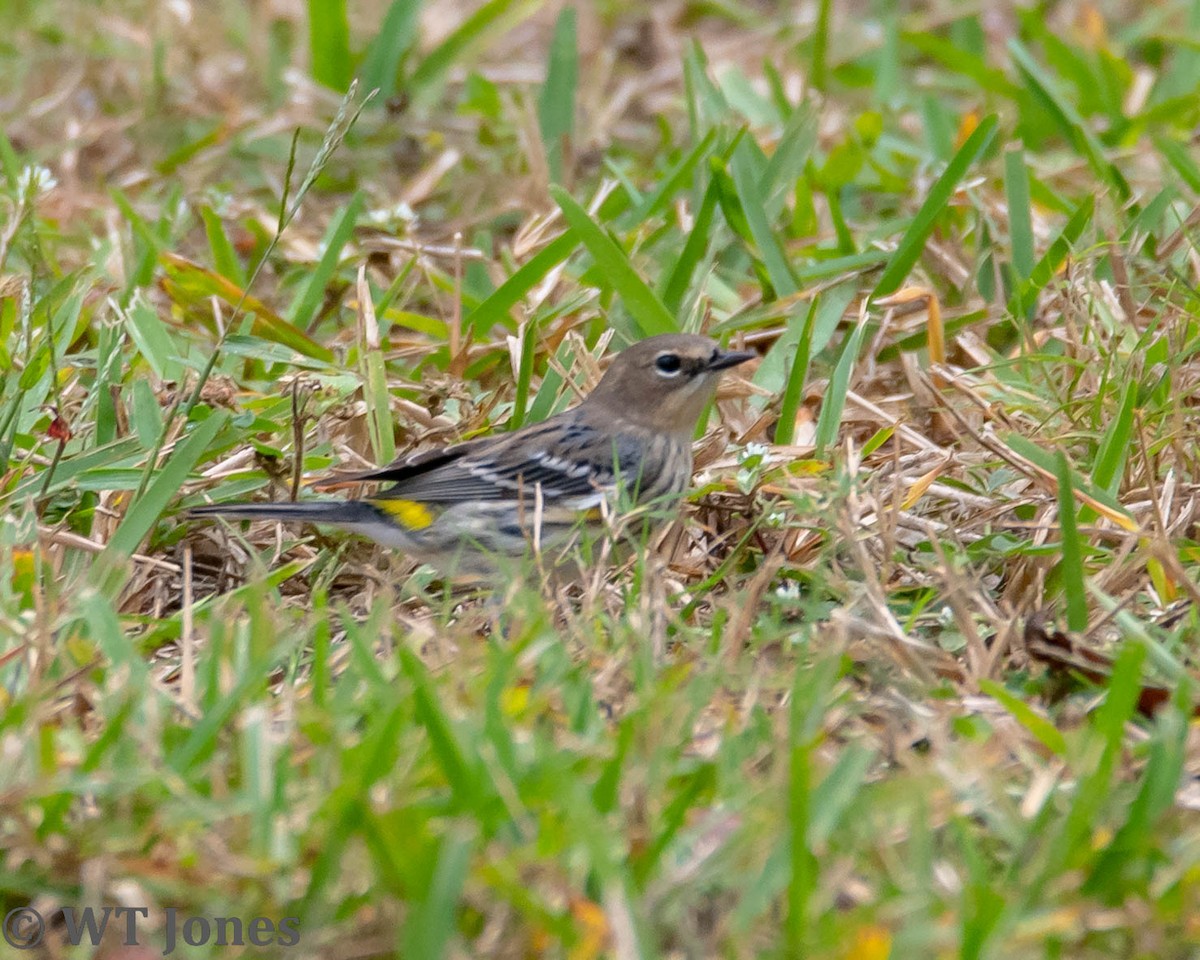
pixel 392 216
pixel 775 519
pixel 35 180
pixel 758 452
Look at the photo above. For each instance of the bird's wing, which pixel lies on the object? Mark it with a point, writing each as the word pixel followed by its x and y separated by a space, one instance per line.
pixel 406 468
pixel 565 457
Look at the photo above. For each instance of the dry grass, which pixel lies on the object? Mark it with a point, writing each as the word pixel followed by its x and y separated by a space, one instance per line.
pixel 912 673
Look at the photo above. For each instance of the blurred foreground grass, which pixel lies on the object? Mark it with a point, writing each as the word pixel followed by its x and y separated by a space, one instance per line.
pixel 835 713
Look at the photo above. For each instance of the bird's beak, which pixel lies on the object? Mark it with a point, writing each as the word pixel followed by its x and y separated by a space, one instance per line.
pixel 724 359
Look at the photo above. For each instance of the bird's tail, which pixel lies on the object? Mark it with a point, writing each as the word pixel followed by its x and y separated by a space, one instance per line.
pixel 337 512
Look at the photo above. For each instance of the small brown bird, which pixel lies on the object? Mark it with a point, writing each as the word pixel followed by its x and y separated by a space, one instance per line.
pixel 459 507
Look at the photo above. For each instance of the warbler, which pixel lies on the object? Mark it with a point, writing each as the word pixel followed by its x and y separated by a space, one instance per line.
pixel 460 507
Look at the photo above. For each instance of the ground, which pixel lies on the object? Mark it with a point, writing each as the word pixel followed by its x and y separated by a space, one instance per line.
pixel 912 673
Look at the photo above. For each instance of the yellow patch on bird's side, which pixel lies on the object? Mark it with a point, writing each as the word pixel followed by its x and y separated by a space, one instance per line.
pixel 413 515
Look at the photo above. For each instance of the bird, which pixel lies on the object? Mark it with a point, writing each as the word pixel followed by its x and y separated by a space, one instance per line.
pixel 463 508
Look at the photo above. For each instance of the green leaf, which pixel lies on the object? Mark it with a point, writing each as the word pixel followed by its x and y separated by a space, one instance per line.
pixel 1020 223
pixel 337 235
pixel 754 207
pixel 162 490
pixel 397 34
pixel 1054 257
pixel 1072 126
pixel 556 106
pixel 494 309
pixel 1116 443
pixel 329 43
pixel 913 241
pixel 1072 552
pixel 485 24
pixel 839 385
pixel 1048 734
pixel 793 391
pixel 647 311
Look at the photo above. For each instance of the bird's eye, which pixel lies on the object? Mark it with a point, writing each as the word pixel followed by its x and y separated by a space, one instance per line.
pixel 668 364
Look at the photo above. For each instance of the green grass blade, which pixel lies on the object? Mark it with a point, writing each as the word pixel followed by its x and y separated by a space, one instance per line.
pixel 835 394
pixel 1020 223
pixel 644 307
pixel 1054 257
pixel 1181 161
pixel 444 742
pixel 397 35
pixel 529 341
pixel 792 152
pixel 838 791
pixel 556 105
pixel 794 390
pixel 1047 734
pixel 154 343
pixel 672 182
pixel 754 207
pixel 1043 88
pixel 494 310
pixel 680 277
pixel 431 922
pixel 810 690
pixel 819 70
pixel 329 43
pixel 162 490
pixel 312 294
pixel 379 408
pixel 1071 564
pixel 225 258
pixel 676 285
pixel 486 23
pixel 913 241
pixel 1116 443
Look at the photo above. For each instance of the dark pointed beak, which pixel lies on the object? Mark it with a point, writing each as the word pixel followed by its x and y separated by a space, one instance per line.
pixel 724 359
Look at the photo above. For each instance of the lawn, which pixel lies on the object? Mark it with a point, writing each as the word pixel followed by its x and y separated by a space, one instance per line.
pixel 911 674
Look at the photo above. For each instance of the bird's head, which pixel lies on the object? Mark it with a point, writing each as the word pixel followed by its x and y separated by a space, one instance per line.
pixel 665 382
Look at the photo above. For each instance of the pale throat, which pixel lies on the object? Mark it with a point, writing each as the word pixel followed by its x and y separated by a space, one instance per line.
pixel 676 412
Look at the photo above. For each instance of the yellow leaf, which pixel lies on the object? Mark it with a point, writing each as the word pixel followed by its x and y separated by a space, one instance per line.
pixel 1164 586
pixel 966 127
pixel 515 700
pixel 593 929
pixel 1092 26
pixel 921 484
pixel 870 943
